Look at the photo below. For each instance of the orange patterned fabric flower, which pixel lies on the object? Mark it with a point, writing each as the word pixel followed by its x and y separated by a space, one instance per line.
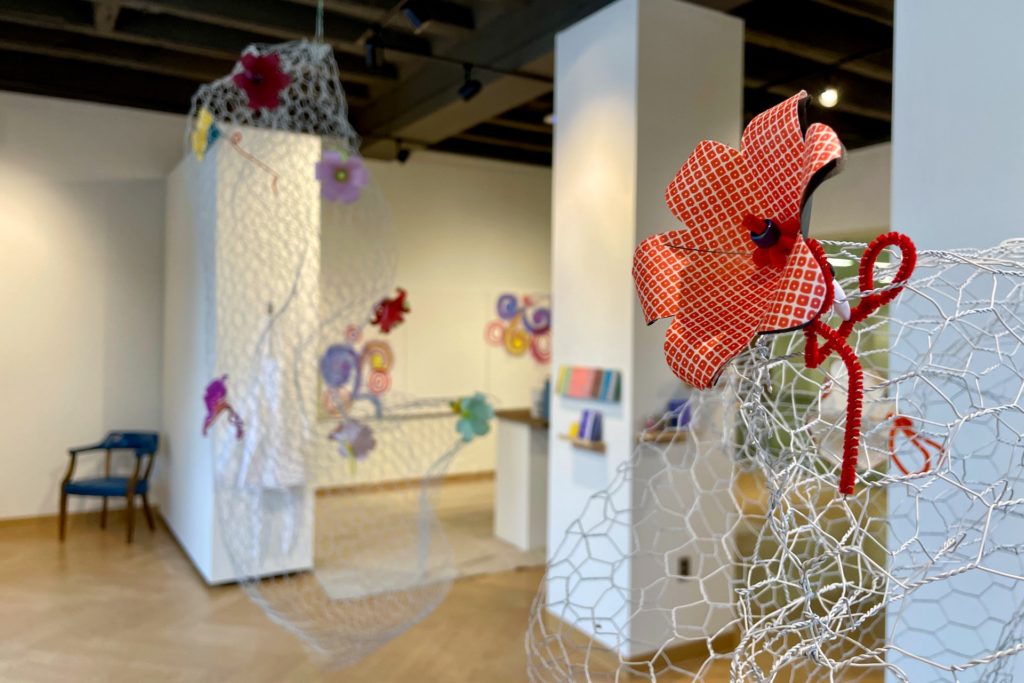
pixel 741 267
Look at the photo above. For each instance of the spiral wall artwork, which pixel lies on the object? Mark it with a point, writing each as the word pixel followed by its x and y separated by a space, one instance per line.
pixel 523 325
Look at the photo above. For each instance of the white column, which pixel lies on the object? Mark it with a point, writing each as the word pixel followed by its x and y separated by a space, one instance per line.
pixel 215 311
pixel 638 85
pixel 957 178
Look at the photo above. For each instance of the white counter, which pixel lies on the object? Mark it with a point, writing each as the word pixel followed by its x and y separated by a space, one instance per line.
pixel 521 480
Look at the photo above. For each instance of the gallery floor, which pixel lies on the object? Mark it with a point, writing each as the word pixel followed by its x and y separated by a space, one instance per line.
pixel 96 609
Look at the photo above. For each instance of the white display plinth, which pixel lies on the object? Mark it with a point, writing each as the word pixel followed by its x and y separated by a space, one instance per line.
pixel 638 85
pixel 214 311
pixel 521 480
pixel 958 89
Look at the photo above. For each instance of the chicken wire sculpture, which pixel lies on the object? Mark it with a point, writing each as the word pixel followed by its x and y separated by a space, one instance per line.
pixel 917 576
pixel 297 282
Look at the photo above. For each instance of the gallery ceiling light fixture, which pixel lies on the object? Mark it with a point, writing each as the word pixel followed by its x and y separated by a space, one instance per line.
pixel 417 14
pixel 402 153
pixel 470 87
pixel 829 97
pixel 550 118
pixel 374 49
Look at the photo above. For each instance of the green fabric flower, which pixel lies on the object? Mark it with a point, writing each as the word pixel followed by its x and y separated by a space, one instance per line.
pixel 475 415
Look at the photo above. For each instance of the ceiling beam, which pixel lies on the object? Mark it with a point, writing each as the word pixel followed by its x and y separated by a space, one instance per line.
pixel 443 12
pixel 876 10
pixel 104 14
pixel 521 35
pixel 44 75
pixel 166 32
pixel 477 149
pixel 822 55
pixel 783 74
pixel 816 31
pixel 450 17
pixel 505 122
pixel 496 135
pixel 282 20
pixel 70 45
pixel 60 13
pixel 105 81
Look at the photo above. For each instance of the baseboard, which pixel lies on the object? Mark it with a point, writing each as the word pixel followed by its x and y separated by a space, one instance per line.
pixel 54 519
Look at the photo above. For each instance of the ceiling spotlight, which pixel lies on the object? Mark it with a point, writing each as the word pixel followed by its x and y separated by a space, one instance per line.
pixel 470 87
pixel 550 118
pixel 415 14
pixel 402 154
pixel 829 97
pixel 374 49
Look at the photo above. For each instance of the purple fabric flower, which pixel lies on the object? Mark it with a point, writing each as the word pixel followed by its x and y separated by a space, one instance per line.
pixel 342 176
pixel 338 364
pixel 354 439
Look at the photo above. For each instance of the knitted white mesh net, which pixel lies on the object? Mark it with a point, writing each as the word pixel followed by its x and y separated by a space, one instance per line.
pixel 918 576
pixel 292 277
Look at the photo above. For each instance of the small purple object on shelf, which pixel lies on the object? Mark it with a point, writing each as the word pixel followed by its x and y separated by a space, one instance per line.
pixel 590 425
pixel 679 413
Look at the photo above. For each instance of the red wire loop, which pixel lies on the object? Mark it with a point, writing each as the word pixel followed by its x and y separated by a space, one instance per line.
pixel 836 339
pixel 924 445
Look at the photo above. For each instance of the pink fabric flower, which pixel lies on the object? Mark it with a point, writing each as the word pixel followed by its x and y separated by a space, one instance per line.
pixel 262 80
pixel 342 176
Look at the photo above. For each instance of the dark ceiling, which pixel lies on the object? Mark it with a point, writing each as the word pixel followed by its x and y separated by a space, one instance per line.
pixel 153 54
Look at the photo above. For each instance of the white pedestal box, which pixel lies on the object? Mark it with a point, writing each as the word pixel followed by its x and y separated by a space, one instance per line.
pixel 216 302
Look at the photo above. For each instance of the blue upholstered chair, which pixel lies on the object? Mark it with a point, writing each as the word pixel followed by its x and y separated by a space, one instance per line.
pixel 144 444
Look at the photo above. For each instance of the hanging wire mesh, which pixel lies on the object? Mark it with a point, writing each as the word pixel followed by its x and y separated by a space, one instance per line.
pixel 326 501
pixel 723 551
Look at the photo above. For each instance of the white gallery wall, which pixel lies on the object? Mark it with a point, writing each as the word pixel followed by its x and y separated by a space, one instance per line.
pixel 82 222
pixel 81 271
pixel 855 202
pixel 469 230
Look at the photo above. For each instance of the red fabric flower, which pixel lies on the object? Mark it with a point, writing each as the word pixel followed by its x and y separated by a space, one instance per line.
pixel 390 312
pixel 721 287
pixel 262 80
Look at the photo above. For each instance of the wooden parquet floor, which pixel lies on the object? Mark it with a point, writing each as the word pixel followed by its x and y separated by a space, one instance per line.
pixel 97 609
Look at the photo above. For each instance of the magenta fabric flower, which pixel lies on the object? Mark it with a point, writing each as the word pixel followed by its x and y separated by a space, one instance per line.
pixel 216 400
pixel 342 176
pixel 262 80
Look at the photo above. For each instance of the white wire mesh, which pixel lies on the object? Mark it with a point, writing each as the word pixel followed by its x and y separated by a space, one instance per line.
pixel 917 576
pixel 289 277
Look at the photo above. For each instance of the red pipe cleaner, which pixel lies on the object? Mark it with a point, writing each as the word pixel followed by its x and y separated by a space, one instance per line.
pixel 904 424
pixel 835 339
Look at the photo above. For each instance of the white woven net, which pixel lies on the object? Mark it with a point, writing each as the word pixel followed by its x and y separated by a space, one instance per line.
pixel 918 576
pixel 339 545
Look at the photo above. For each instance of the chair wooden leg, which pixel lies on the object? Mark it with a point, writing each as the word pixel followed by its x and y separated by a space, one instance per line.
pixel 129 512
pixel 63 512
pixel 149 513
pixel 103 514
